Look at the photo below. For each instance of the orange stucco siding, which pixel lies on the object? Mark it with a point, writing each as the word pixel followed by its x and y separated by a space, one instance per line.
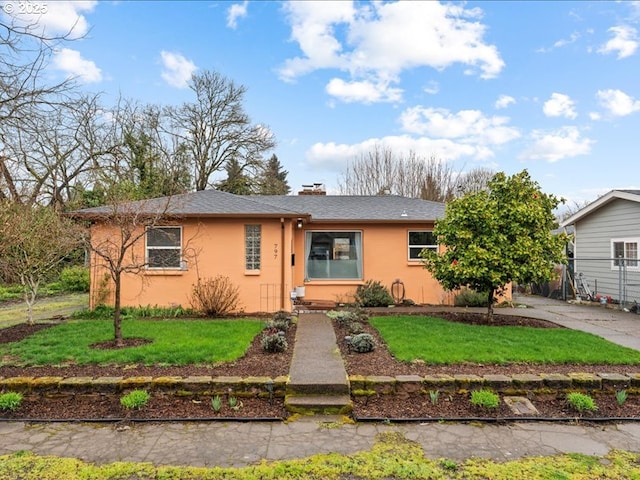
pixel 385 259
pixel 213 247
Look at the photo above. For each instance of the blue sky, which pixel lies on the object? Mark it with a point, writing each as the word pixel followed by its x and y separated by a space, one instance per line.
pixel 552 87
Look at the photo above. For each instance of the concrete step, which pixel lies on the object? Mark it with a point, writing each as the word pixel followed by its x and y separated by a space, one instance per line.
pixel 319 404
pixel 316 386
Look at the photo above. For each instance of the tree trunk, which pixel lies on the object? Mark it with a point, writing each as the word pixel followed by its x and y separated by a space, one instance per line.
pixel 490 301
pixel 117 319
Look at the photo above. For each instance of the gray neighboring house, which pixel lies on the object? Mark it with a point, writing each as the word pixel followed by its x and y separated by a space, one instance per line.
pixel 606 240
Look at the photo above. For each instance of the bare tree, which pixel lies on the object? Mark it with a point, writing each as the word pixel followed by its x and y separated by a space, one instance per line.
pixel 215 129
pixel 146 153
pixel 25 51
pixel 50 152
pixel 381 171
pixel 473 181
pixel 23 252
pixel 116 239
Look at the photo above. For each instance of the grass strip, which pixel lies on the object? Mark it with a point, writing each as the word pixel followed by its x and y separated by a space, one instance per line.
pixel 392 456
pixel 173 342
pixel 438 341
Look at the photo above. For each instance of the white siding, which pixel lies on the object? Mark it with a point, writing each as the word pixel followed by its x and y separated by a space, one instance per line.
pixel 593 236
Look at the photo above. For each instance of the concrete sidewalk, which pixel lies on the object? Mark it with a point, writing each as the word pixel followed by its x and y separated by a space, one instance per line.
pixel 242 444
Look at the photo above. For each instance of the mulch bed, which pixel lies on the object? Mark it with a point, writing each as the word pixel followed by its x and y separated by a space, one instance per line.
pixel 258 363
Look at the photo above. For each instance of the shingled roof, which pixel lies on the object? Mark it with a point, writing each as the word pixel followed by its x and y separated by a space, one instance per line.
pixel 328 208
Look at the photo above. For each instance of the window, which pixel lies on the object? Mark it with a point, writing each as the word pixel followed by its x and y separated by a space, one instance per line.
pixel 333 255
pixel 164 247
pixel 626 249
pixel 252 239
pixel 419 240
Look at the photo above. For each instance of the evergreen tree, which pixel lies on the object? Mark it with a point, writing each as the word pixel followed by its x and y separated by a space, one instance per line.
pixel 237 182
pixel 273 180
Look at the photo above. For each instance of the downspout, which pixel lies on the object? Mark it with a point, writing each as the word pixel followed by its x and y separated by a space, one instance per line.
pixel 282 265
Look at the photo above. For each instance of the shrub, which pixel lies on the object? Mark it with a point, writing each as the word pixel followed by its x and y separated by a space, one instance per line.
pixel 216 403
pixel 581 402
pixel 471 298
pixel 274 343
pixel 135 399
pixel 10 401
pixel 621 397
pixel 215 296
pixel 363 343
pixel 373 294
pixel 485 399
pixel 75 279
pixel 280 321
pixel 355 328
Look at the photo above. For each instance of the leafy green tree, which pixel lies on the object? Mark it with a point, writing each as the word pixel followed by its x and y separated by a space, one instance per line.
pixel 273 179
pixel 496 236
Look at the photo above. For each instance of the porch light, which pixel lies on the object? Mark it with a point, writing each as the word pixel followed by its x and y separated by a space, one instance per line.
pixel 299 224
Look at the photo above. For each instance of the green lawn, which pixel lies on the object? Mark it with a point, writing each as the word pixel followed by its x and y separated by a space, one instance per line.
pixel 437 341
pixel 174 342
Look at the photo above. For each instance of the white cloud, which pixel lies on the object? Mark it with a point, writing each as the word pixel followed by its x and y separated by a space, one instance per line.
pixel 236 11
pixel 594 116
pixel 364 92
pixel 71 62
pixel 559 105
pixel 504 101
pixel 61 18
pixel 334 156
pixel 432 88
pixel 624 42
pixel 617 102
pixel 557 145
pixel 374 43
pixel 469 126
pixel 177 70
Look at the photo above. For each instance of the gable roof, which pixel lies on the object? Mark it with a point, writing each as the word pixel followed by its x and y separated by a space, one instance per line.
pixel 326 208
pixel 631 195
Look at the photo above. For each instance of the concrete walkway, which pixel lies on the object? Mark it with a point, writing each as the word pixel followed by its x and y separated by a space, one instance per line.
pixel 318 381
pixel 242 444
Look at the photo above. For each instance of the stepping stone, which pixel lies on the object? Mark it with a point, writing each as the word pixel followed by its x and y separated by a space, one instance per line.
pixel 521 406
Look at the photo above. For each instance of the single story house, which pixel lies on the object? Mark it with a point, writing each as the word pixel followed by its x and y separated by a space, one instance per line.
pixel 606 239
pixel 322 247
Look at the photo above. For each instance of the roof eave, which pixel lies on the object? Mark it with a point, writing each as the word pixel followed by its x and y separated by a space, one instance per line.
pixel 602 201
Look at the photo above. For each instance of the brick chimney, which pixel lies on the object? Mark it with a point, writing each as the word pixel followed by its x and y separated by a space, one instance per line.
pixel 313 189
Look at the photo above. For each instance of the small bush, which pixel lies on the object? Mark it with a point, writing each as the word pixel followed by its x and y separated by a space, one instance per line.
pixel 216 403
pixel 75 279
pixel 135 399
pixel 471 298
pixel 373 294
pixel 274 343
pixel 355 328
pixel 581 402
pixel 215 296
pixel 10 401
pixel 485 399
pixel 621 397
pixel 363 343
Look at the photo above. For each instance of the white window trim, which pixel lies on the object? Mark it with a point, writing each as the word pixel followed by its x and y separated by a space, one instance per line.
pixel 627 240
pixel 246 252
pixel 147 248
pixel 409 246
